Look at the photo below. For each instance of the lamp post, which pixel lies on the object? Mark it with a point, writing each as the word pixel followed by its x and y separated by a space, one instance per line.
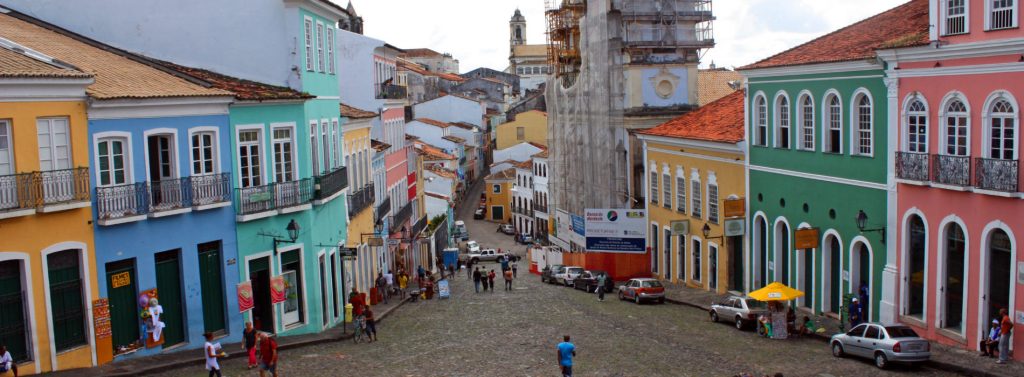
pixel 862 222
pixel 293 235
pixel 706 230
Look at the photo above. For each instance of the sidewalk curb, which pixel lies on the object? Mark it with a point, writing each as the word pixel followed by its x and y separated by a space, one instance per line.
pixel 236 355
pixel 930 364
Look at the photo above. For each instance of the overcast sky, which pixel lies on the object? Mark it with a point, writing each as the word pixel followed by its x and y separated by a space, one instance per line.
pixel 476 31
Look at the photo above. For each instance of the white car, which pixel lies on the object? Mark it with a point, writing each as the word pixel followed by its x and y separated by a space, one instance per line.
pixel 472 247
pixel 567 274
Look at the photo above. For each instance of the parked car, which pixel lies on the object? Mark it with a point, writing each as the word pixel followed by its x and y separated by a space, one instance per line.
pixel 587 281
pixel 461 233
pixel 507 229
pixel 885 344
pixel 478 214
pixel 547 275
pixel 471 247
pixel 524 239
pixel 484 255
pixel 567 274
pixel 642 289
pixel 742 311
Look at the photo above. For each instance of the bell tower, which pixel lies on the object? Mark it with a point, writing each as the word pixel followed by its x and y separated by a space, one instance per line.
pixel 517 29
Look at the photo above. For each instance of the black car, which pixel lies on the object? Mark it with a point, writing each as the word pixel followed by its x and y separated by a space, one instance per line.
pixel 587 281
pixel 547 275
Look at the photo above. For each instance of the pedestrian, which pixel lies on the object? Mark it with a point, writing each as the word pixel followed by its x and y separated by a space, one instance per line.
pixel 7 362
pixel 515 268
pixel 566 351
pixel 389 284
pixel 212 352
pixel 601 279
pixel 403 281
pixel 451 270
pixel 371 326
pixel 476 280
pixel 249 344
pixel 508 279
pixel 421 273
pixel 380 283
pixel 490 280
pixel 855 313
pixel 990 344
pixel 268 355
pixel 1005 328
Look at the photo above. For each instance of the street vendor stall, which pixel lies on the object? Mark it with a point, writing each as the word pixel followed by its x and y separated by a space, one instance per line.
pixel 775 294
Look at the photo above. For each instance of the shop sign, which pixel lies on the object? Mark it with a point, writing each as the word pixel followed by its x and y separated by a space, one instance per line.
pixel 616 230
pixel 735 227
pixel 277 289
pixel 121 279
pixel 375 241
pixel 735 208
pixel 807 238
pixel 245 299
pixel 101 318
pixel 680 227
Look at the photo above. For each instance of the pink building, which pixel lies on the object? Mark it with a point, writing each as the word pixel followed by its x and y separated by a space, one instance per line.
pixel 959 210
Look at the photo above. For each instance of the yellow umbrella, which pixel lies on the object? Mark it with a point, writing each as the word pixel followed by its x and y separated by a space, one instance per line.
pixel 776 292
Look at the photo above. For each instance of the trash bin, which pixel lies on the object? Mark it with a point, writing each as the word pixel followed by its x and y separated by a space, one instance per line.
pixel 348 313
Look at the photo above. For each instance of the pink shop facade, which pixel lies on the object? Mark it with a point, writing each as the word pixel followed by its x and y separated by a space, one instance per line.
pixel 959 209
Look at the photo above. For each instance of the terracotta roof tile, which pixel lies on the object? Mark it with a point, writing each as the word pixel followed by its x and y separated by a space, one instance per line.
pixel 18 64
pixel 543 154
pixel 538 145
pixel 355 113
pixel 412 66
pixel 380 146
pixel 117 75
pixel 420 53
pixel 528 164
pixel 713 84
pixel 903 26
pixel 436 195
pixel 435 123
pixel 719 121
pixel 246 90
pixel 454 139
pixel 433 152
pixel 449 76
pixel 442 172
pixel 509 173
pixel 463 125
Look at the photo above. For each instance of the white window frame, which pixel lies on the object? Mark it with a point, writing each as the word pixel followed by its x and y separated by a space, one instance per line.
pixel 783 119
pixel 653 183
pixel 826 123
pixel 325 143
pixel 696 259
pixel 681 183
pixel 697 202
pixel 944 24
pixel 712 202
pixel 805 122
pixel 320 66
pixel 291 141
pixel 330 50
pixel 314 144
pixel 175 162
pixel 945 115
pixel 990 10
pixel 126 153
pixel 666 186
pixel 261 170
pixel 7 138
pixel 308 34
pixel 988 116
pixel 215 146
pixel 856 125
pixel 51 137
pixel 336 137
pixel 907 134
pixel 760 120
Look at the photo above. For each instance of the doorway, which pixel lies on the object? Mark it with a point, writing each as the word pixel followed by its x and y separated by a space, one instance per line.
pixel 806 265
pixel 168 289
pixel 860 276
pixel 712 267
pixel 761 241
pixel 668 254
pixel 735 245
pixel 212 285
pixel 325 317
pixel 13 329
pixel 165 191
pixel 782 253
pixel 124 312
pixel 1000 251
pixel 953 285
pixel 833 282
pixel 262 311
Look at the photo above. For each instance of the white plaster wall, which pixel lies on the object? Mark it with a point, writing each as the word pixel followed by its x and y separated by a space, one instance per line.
pixel 435 206
pixel 452 109
pixel 439 185
pixel 519 152
pixel 355 70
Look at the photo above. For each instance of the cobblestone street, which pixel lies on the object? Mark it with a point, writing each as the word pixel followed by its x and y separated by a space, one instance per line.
pixel 515 333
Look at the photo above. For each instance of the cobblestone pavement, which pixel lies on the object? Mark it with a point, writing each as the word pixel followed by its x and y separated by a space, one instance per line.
pixel 514 333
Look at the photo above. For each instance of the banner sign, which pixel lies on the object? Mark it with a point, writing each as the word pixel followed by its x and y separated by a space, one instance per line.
pixel 806 238
pixel 735 227
pixel 245 300
pixel 579 225
pixel 101 318
pixel 735 208
pixel 612 230
pixel 442 289
pixel 277 289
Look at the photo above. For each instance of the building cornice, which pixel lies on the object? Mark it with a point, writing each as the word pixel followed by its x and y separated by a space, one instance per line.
pixel 711 146
pixel 158 107
pixel 31 89
pixel 939 51
pixel 812 69
pixel 981 69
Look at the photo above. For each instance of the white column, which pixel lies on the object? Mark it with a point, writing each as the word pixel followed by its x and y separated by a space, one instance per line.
pixel 888 307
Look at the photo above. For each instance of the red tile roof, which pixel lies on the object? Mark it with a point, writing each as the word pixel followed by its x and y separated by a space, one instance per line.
pixel 509 173
pixel 246 90
pixel 420 52
pixel 463 125
pixel 442 172
pixel 543 154
pixel 355 113
pixel 433 152
pixel 449 76
pixel 380 146
pixel 454 139
pixel 903 26
pixel 719 121
pixel 435 123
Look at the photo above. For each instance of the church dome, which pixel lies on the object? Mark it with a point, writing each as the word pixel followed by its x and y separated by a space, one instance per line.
pixel 518 17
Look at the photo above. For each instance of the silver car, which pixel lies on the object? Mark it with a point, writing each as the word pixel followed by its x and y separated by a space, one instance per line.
pixel 886 344
pixel 742 311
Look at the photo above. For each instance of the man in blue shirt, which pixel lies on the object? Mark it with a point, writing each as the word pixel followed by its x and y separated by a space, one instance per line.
pixel 566 351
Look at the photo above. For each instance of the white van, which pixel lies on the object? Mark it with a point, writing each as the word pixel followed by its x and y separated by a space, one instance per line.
pixel 460 230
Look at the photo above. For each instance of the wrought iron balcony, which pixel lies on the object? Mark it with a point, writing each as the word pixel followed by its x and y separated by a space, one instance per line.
pixel 17 193
pixel 122 201
pixel 522 211
pixel 401 216
pixel 951 170
pixel 210 189
pixel 383 209
pixel 912 166
pixel 997 175
pixel 273 196
pixel 676 35
pixel 420 225
pixel 61 186
pixel 540 208
pixel 360 200
pixel 331 183
pixel 391 91
pixel 169 194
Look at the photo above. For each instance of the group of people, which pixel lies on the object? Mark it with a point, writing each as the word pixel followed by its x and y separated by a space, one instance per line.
pixel 485 278
pixel 253 341
pixel 997 342
pixel 363 314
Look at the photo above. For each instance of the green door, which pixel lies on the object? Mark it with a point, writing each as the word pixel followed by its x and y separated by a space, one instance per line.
pixel 12 310
pixel 212 287
pixel 168 291
pixel 124 311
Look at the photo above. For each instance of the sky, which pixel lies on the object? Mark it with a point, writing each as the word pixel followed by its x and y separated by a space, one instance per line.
pixel 477 33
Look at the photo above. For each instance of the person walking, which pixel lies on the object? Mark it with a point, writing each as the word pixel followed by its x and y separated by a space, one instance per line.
pixel 469 269
pixel 490 280
pixel 249 344
pixel 380 283
pixel 371 325
pixel 508 279
pixel 212 353
pixel 389 285
pixel 855 313
pixel 566 351
pixel 601 279
pixel 515 268
pixel 476 280
pixel 268 355
pixel 7 362
pixel 1005 328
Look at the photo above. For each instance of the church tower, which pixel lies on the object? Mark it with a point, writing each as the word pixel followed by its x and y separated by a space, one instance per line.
pixel 517 29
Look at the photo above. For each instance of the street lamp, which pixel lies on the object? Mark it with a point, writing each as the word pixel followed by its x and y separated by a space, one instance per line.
pixel 293 234
pixel 862 222
pixel 707 232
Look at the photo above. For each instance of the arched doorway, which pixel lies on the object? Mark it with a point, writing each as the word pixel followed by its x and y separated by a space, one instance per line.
pixel 860 275
pixel 805 268
pixel 760 253
pixel 999 262
pixel 952 285
pixel 782 251
pixel 915 268
pixel 832 281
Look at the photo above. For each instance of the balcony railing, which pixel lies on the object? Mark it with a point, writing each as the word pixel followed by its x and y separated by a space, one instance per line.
pixel 16 192
pixel 273 196
pixel 701 8
pixel 951 170
pixel 331 183
pixel 383 209
pixel 913 166
pixel 115 202
pixel 361 199
pixel 62 186
pixel 540 208
pixel 676 35
pixel 522 211
pixel 210 189
pixel 420 225
pixel 997 175
pixel 391 91
pixel 169 194
pixel 401 216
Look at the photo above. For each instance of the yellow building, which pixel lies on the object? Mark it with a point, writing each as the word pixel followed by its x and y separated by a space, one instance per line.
pixel 358 156
pixel 530 126
pixel 498 189
pixel 47 264
pixel 695 191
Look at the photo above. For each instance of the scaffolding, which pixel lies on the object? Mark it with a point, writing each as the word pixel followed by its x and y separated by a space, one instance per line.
pixel 563 37
pixel 667 24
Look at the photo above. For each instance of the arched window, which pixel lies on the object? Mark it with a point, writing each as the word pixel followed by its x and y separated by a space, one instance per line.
pixel 807 123
pixel 917 127
pixel 782 122
pixel 916 269
pixel 761 238
pixel 956 128
pixel 782 252
pixel 834 124
pixel 953 283
pixel 761 117
pixel 1001 132
pixel 864 134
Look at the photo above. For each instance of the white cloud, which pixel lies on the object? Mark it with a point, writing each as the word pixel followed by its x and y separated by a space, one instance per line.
pixel 476 31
